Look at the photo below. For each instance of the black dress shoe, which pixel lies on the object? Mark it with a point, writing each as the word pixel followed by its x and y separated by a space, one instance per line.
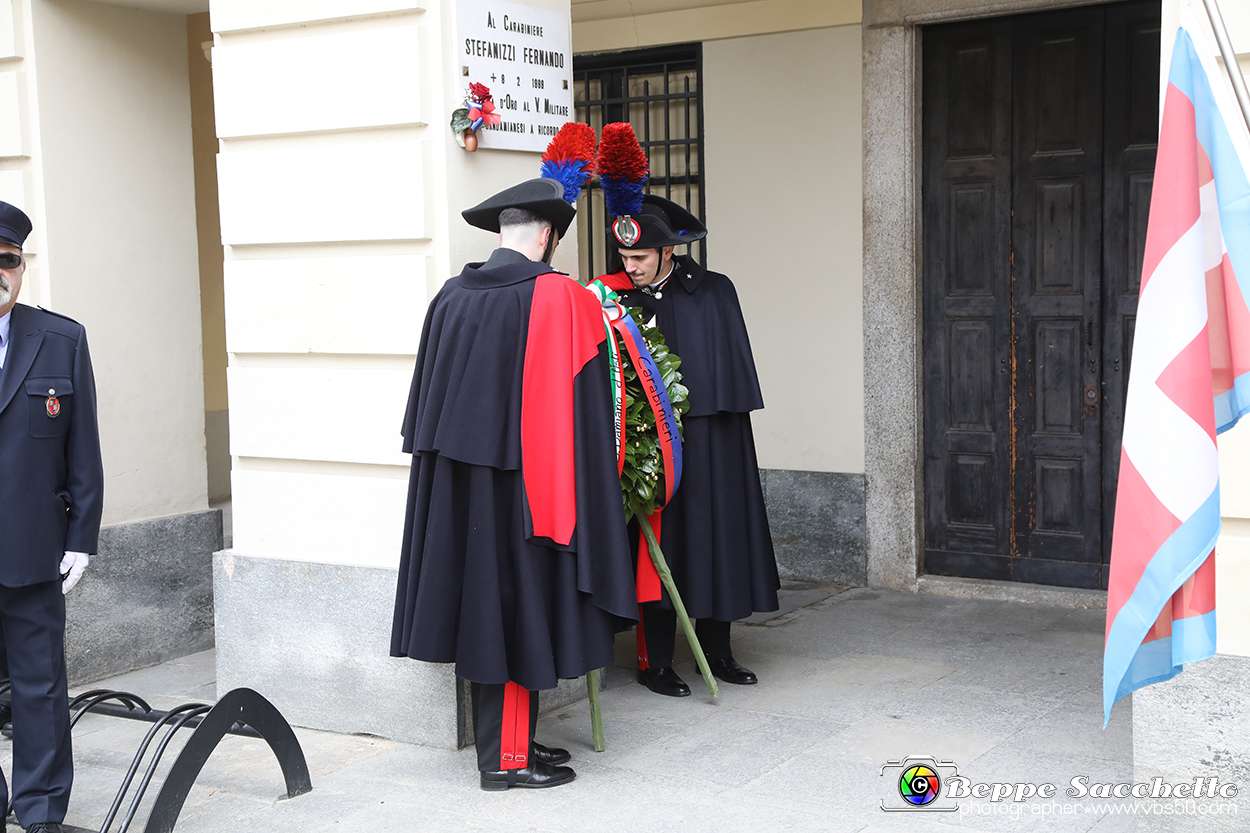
pixel 547 755
pixel 727 669
pixel 45 827
pixel 534 776
pixel 663 681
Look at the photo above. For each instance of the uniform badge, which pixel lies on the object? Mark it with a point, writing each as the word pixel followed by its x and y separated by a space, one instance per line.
pixel 627 231
pixel 53 405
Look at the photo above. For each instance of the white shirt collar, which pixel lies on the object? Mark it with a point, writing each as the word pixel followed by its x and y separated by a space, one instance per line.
pixel 658 287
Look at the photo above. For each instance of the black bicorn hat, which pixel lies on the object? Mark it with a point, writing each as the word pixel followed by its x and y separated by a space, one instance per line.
pixel 15 226
pixel 661 223
pixel 544 197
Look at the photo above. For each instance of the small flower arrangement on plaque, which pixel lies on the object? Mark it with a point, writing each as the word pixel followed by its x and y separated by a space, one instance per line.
pixel 478 109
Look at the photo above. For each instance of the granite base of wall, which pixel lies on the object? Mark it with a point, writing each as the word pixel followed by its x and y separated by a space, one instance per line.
pixel 315 639
pixel 1196 725
pixel 145 599
pixel 818 525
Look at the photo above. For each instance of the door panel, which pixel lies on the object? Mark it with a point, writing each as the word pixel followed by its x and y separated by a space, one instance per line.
pixel 972 96
pixel 1059 504
pixel 967 211
pixel 1039 135
pixel 1056 398
pixel 971 393
pixel 971 250
pixel 1057 173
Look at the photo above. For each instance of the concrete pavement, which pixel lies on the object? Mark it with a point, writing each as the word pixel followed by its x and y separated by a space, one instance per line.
pixel 850 679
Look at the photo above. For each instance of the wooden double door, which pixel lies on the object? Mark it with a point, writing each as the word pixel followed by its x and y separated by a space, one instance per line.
pixel 1039 139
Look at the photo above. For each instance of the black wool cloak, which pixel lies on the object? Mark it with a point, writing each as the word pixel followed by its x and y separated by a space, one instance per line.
pixel 479 584
pixel 714 531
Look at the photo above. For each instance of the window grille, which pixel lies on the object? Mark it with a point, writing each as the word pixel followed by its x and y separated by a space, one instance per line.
pixel 658 92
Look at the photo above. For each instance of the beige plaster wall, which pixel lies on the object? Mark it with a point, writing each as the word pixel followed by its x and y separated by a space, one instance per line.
pixel 21 176
pixel 339 224
pixel 784 210
pixel 115 127
pixel 612 25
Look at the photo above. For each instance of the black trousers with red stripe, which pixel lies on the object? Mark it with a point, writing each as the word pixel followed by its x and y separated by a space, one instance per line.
pixel 658 631
pixel 504 719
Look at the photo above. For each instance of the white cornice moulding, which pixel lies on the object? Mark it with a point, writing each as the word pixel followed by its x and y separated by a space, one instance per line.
pixel 244 15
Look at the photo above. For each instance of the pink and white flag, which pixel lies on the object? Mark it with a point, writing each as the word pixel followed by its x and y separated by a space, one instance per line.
pixel 1190 380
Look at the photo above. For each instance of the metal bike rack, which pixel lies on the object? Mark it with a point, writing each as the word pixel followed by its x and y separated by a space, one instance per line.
pixel 240 712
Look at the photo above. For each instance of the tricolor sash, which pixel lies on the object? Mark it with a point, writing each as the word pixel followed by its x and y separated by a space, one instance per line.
pixel 657 397
pixel 612 310
pixel 619 324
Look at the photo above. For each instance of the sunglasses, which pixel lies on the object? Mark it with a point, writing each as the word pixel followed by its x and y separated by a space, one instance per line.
pixel 8 260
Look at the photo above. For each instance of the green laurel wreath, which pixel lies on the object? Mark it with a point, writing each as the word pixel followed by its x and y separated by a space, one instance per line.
pixel 642 489
pixel 642 479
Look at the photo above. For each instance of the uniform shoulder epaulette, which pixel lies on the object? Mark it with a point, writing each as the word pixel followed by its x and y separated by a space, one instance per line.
pixel 57 314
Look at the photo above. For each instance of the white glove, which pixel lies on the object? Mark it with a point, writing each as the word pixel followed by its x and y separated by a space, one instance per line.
pixel 72 566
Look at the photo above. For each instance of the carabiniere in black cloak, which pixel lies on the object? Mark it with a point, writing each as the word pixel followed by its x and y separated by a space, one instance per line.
pixel 484 582
pixel 715 530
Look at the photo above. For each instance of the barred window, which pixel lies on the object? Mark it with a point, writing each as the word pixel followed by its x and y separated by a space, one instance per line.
pixel 658 92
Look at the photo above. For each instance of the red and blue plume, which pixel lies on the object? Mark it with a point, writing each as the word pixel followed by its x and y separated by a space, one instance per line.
pixel 570 158
pixel 623 169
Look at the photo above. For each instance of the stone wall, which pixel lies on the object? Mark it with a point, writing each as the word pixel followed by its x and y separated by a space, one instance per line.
pixel 315 640
pixel 817 523
pixel 147 597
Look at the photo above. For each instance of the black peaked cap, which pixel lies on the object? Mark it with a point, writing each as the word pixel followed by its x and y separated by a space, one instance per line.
pixel 664 223
pixel 14 225
pixel 545 197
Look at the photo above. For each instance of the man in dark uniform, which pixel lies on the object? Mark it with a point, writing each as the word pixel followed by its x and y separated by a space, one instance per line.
pixel 714 532
pixel 52 496
pixel 515 562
